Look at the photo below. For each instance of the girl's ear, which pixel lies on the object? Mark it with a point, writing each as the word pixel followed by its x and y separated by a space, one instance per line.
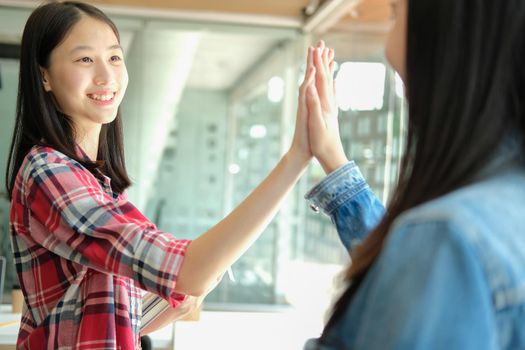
pixel 45 79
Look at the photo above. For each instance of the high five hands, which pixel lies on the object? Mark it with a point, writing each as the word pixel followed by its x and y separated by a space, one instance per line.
pixel 317 125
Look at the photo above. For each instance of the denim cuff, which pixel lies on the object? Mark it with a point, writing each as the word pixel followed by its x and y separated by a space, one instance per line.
pixel 336 188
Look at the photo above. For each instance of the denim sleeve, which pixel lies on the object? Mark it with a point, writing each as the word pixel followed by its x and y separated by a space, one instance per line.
pixel 429 291
pixel 345 196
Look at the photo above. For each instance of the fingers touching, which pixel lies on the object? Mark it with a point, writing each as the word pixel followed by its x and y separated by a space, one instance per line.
pixel 323 62
pixel 309 76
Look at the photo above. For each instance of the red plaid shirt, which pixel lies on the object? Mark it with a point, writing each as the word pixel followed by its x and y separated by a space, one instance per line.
pixel 84 255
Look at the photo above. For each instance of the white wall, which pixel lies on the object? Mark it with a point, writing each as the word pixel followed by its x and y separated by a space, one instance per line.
pixel 9 71
pixel 158 63
pixel 191 181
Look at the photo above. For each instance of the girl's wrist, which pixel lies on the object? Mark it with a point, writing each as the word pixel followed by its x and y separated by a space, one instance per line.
pixel 333 161
pixel 297 159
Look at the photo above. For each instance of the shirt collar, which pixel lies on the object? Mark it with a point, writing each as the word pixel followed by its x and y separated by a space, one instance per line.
pixel 508 154
pixel 81 153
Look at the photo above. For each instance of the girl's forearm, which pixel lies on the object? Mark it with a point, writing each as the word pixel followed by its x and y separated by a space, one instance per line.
pixel 213 252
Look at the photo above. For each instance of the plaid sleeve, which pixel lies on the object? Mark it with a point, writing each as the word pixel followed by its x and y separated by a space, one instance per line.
pixel 77 219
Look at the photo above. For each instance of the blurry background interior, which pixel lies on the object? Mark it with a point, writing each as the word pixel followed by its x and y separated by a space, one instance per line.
pixel 210 109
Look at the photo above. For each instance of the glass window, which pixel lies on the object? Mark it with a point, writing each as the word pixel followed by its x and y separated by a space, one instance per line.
pixel 204 125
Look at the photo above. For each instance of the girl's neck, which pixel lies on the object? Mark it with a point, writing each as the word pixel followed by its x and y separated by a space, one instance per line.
pixel 88 141
pixel 90 148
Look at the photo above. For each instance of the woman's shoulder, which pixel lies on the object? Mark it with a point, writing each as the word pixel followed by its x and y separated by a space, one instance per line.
pixel 44 157
pixel 48 154
pixel 478 205
pixel 44 163
pixel 483 220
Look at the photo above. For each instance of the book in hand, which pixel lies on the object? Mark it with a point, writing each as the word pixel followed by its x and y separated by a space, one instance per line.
pixel 152 307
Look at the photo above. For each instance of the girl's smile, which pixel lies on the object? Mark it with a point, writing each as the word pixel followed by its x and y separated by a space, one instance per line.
pixel 103 98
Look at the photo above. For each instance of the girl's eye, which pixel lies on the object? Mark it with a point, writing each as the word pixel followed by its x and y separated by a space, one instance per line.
pixel 85 60
pixel 116 58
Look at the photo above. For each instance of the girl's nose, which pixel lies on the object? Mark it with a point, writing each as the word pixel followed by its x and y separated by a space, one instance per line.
pixel 104 76
pixel 100 82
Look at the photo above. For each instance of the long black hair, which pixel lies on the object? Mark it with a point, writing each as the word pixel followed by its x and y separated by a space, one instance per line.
pixel 38 121
pixel 465 86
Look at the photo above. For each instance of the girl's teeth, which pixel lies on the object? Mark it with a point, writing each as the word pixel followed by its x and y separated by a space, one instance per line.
pixel 103 97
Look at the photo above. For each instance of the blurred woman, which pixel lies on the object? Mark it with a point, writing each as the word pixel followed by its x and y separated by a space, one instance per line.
pixel 444 267
pixel 84 254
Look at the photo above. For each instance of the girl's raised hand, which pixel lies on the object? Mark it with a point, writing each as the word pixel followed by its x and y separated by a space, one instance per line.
pixel 300 145
pixel 323 124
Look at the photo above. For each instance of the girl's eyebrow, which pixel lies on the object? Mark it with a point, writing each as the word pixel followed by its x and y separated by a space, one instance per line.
pixel 89 48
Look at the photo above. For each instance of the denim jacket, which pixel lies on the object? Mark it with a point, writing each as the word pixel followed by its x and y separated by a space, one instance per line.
pixel 451 274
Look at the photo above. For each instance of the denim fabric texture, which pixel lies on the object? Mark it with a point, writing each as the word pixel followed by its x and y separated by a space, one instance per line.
pixel 451 274
pixel 345 196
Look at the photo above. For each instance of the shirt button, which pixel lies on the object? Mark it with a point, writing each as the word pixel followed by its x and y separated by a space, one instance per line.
pixel 314 207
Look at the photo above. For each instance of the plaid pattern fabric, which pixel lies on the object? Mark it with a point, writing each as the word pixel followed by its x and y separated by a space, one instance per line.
pixel 84 257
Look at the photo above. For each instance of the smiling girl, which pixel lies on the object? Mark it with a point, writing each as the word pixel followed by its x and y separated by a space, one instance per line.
pixel 84 254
